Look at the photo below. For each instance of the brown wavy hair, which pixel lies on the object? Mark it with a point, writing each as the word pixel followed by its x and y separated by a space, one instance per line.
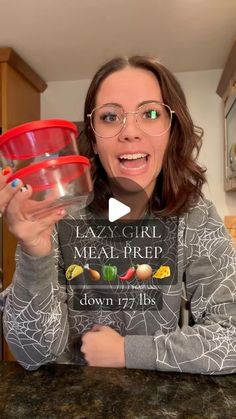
pixel 179 184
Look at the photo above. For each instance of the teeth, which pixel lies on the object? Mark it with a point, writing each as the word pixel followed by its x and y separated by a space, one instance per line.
pixel 133 156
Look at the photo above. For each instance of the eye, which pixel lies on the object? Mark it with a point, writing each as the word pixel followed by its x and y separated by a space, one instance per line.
pixel 109 117
pixel 150 114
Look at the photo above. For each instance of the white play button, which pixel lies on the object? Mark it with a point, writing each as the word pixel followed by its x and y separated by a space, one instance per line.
pixel 116 209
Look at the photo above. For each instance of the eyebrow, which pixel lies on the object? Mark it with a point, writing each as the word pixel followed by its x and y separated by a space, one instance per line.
pixel 140 104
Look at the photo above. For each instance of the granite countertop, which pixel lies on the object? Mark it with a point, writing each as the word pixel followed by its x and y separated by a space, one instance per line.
pixel 68 391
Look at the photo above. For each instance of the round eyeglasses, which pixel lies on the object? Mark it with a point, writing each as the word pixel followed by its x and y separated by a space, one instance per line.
pixel 153 118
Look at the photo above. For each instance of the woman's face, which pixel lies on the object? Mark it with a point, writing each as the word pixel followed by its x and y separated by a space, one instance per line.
pixel 132 153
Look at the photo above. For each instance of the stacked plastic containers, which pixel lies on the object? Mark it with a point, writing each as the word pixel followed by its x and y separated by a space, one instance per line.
pixel 44 154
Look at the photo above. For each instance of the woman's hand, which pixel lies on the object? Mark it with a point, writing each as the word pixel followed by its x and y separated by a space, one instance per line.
pixel 7 190
pixel 103 347
pixel 16 206
pixel 34 235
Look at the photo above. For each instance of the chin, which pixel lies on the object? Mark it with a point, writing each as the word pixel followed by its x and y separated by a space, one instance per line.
pixel 132 185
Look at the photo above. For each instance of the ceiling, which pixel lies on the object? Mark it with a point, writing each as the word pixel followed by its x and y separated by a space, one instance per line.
pixel 69 39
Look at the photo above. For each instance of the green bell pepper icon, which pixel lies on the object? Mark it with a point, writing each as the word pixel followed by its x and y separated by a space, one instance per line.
pixel 109 272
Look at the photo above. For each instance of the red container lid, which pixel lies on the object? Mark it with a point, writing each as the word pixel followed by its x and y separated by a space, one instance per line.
pixel 36 138
pixel 46 174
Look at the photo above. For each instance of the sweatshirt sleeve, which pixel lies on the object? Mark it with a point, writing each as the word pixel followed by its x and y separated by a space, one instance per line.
pixel 35 313
pixel 208 346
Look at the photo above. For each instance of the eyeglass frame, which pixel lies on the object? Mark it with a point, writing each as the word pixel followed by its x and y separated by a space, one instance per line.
pixel 131 113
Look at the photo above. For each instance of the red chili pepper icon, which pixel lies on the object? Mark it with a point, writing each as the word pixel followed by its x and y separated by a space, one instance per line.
pixel 128 275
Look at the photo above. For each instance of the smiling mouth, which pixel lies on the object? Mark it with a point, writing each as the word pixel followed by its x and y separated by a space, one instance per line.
pixel 134 161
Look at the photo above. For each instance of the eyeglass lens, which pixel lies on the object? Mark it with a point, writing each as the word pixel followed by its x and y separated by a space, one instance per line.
pixel 152 118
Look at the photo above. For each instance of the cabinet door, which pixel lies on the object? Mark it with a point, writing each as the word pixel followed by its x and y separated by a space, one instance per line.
pixel 20 102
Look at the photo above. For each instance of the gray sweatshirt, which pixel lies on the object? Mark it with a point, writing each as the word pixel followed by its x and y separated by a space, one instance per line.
pixel 54 299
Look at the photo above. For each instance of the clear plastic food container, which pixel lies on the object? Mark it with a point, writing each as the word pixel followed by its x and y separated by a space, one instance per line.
pixel 57 183
pixel 36 141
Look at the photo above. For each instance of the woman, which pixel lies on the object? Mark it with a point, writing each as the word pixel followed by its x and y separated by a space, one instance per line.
pixel 143 146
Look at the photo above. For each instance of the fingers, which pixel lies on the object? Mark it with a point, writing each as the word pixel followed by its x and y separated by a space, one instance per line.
pixel 15 208
pixel 6 171
pixel 48 221
pixel 40 209
pixel 8 190
pixel 4 175
pixel 21 207
pixel 20 211
pixel 35 236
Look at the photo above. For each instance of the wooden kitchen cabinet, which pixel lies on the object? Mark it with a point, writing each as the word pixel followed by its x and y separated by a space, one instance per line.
pixel 226 89
pixel 20 89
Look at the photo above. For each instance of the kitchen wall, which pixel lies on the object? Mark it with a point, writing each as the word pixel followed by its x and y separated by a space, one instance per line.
pixel 207 111
pixel 65 100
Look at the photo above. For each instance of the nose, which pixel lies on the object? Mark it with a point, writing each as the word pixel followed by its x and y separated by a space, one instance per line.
pixel 130 130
